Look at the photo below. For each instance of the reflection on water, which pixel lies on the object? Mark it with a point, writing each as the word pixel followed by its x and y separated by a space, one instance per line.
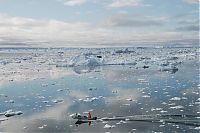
pixel 111 91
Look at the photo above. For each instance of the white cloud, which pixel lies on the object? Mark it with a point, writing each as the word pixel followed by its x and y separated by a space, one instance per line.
pixel 124 20
pixel 54 33
pixel 124 3
pixel 74 2
pixel 192 1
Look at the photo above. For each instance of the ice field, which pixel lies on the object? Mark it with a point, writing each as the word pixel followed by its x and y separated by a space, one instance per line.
pixel 136 89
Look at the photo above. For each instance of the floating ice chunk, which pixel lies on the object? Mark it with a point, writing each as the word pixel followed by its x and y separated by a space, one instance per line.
pixel 197 128
pixel 85 60
pixel 126 104
pixel 161 125
pixel 80 99
pixel 184 98
pixel 41 127
pixel 10 113
pixel 58 101
pixel 172 69
pixel 45 125
pixel 60 90
pixel 11 101
pixel 120 122
pixel 146 96
pixel 2 113
pixel 41 97
pixel 114 91
pixel 171 104
pixel 123 121
pixel 100 97
pixel 126 51
pixel 129 99
pixel 85 64
pixel 3 95
pixel 45 101
pixel 113 126
pixel 156 109
pixel 90 99
pixel 177 107
pixel 163 111
pixel 164 103
pixel 165 63
pixel 104 122
pixel 157 132
pixel 26 58
pixel 94 98
pixel 18 113
pixel 4 62
pixel 109 126
pixel 175 99
pixel 18 61
pixel 44 85
pixel 92 88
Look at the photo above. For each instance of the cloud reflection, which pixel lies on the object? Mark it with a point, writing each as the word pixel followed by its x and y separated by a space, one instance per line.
pixel 34 122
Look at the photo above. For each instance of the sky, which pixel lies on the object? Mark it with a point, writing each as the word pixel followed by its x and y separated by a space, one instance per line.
pixel 98 23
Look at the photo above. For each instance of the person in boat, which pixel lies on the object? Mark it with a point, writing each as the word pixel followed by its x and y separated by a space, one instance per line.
pixel 83 118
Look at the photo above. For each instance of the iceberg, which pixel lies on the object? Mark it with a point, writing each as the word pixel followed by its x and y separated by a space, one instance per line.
pixel 86 60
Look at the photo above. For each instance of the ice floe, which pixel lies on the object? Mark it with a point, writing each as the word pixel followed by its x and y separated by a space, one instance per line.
pixel 91 99
pixel 109 126
pixel 58 101
pixel 177 107
pixel 175 99
pixel 10 113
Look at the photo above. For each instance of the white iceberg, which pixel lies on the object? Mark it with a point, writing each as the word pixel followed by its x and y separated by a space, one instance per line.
pixel 85 60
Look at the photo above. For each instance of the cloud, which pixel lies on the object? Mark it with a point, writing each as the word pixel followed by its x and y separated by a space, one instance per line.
pixel 188 28
pixel 188 25
pixel 74 2
pixel 54 33
pixel 51 116
pixel 20 28
pixel 192 1
pixel 131 21
pixel 188 22
pixel 124 3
